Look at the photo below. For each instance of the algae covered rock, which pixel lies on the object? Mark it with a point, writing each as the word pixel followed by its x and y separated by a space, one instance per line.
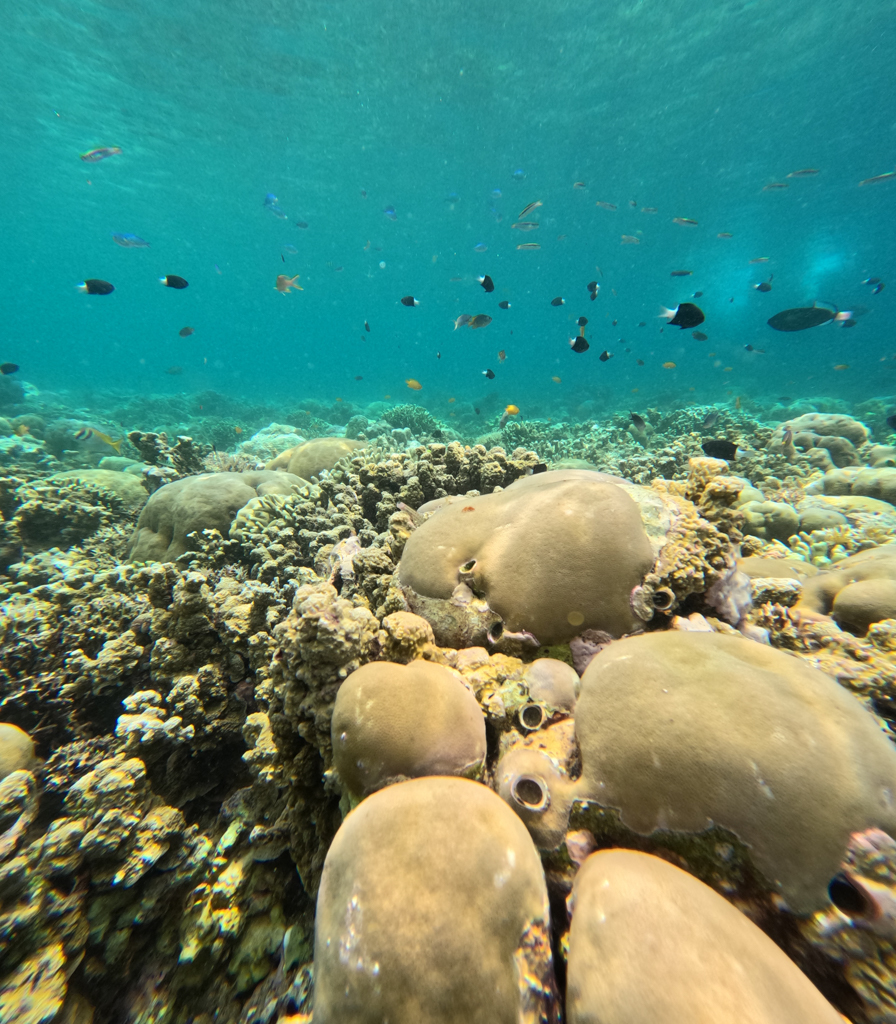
pixel 683 730
pixel 650 944
pixel 432 910
pixel 209 501
pixel 392 722
pixel 549 556
pixel 313 457
pixel 16 750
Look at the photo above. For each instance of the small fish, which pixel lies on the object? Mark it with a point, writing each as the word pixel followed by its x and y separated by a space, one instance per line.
pixel 480 320
pixel 593 286
pixel 649 209
pixel 409 300
pixel 487 283
pixel 438 355
pixel 697 295
pixel 414 385
pixel 579 344
pixel 681 273
pixel 451 401
pixel 94 286
pixel 22 430
pixel 303 224
pixel 775 185
pixel 185 332
pixel 804 317
pixel 512 410
pixel 462 320
pixel 530 208
pixel 668 366
pixel 630 240
pixel 582 321
pixel 642 323
pixel 891 421
pixel 849 323
pixel 605 355
pixel 684 315
pixel 878 288
pixel 724 234
pixel 804 173
pixel 173 281
pixel 504 304
pixel 389 212
pixel 764 286
pixel 284 282
pixel 637 421
pixel 605 206
pixel 559 301
pixel 519 174
pixel 489 375
pixel 7 368
pixel 710 419
pixel 525 225
pixel 237 430
pixel 699 336
pixel 871 280
pixel 865 181
pixel 86 434
pixel 761 259
pixel 633 203
pixel 720 449
pixel 685 222
pixel 480 247
pixel 752 348
pixel 579 184
pixel 290 250
pixel 175 371
pixel 615 322
pixel 558 380
pixel 359 378
pixel 367 327
pixel 129 241
pixel 842 366
pixel 93 156
pixel 531 246
pixel 640 362
pixel 502 355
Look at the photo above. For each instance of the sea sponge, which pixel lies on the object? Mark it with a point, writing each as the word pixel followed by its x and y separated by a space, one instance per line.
pixel 681 730
pixel 16 750
pixel 313 457
pixel 649 942
pixel 432 910
pixel 208 501
pixel 551 555
pixel 859 591
pixel 770 520
pixel 392 722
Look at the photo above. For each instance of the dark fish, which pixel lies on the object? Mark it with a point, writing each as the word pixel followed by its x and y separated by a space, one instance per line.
pixel 480 320
pixel 615 322
pixel 681 273
pixel 710 419
pixel 774 185
pixel 476 409
pixel 185 332
pixel 752 348
pixel 94 286
pixel 530 208
pixel 803 173
pixel 582 321
pixel 697 295
pixel 605 355
pixel 849 323
pixel 638 421
pixel 699 336
pixel 579 344
pixel 558 301
pixel 504 305
pixel 367 327
pixel 640 362
pixel 175 371
pixel 487 283
pixel 643 323
pixel 802 318
pixel 592 286
pixel 173 281
pixel 539 467
pixel 409 300
pixel 7 368
pixel 489 375
pixel 871 280
pixel 877 289
pixel 865 181
pixel 720 449
pixel 359 378
pixel 891 421
pixel 301 223
pixel 685 315
pixel 764 286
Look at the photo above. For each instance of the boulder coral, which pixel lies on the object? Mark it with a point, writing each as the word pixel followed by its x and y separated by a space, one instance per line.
pixel 547 557
pixel 392 722
pixel 313 457
pixel 16 750
pixel 433 910
pixel 859 591
pixel 650 943
pixel 208 501
pixel 680 731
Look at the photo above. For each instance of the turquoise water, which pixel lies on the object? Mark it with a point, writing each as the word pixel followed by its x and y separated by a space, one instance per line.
pixel 690 108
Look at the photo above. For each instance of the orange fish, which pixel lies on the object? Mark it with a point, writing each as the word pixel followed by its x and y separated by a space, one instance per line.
pixel 414 385
pixel 451 400
pixel 842 366
pixel 668 366
pixel 284 283
pixel 635 390
pixel 237 430
pixel 512 410
pixel 737 402
pixel 556 380
pixel 502 355
pixel 387 397
pixel 22 429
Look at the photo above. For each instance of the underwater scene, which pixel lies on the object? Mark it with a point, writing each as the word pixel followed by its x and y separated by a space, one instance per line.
pixel 448 512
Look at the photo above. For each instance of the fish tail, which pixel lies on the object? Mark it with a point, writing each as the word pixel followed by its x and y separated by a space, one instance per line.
pixel 116 445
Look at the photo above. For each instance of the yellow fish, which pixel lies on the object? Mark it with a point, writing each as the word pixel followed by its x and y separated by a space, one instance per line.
pixel 668 366
pixel 284 283
pixel 842 366
pixel 556 380
pixel 91 434
pixel 414 385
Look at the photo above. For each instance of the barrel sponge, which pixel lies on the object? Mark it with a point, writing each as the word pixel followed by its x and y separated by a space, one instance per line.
pixel 392 722
pixel 16 750
pixel 313 457
pixel 650 944
pixel 208 501
pixel 432 910
pixel 681 730
pixel 553 554
pixel 861 606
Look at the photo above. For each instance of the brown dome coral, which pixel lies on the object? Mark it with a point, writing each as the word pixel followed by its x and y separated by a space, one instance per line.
pixel 313 457
pixel 403 721
pixel 859 591
pixel 680 731
pixel 650 944
pixel 432 910
pixel 551 555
